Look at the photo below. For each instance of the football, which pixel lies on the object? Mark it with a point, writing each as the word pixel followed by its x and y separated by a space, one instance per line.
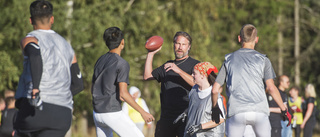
pixel 154 43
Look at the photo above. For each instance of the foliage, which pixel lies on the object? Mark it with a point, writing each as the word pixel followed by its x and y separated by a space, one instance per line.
pixel 213 25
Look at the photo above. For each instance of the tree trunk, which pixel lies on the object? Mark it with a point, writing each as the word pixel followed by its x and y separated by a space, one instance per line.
pixel 280 44
pixel 68 38
pixel 69 20
pixel 296 43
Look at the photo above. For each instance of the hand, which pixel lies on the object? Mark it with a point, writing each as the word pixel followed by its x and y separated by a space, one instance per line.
pixel 181 116
pixel 216 112
pixel 35 99
pixel 302 125
pixel 171 66
pixel 286 116
pixel 155 51
pixel 193 129
pixel 147 117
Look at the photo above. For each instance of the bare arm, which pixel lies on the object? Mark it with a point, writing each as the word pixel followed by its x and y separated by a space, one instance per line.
pixel 124 94
pixel 211 124
pixel 274 92
pixel 148 65
pixel 216 89
pixel 186 77
pixel 275 110
pixel 308 114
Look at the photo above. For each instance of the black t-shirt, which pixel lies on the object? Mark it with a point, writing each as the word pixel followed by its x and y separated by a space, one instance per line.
pixel 7 119
pixel 275 118
pixel 305 107
pixel 174 89
pixel 109 70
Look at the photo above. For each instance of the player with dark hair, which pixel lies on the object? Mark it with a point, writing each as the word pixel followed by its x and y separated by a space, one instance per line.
pixel 176 82
pixel 50 77
pixel 109 86
pixel 247 73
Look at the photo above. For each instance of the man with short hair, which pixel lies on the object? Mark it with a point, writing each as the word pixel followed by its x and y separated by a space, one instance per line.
pixel 284 84
pixel 110 81
pixel 50 78
pixel 176 82
pixel 247 74
pixel 275 113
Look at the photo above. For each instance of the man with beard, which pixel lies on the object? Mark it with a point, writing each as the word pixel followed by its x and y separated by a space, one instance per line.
pixel 176 82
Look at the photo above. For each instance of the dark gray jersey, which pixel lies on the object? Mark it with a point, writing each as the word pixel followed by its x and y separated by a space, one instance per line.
pixel 110 69
pixel 245 72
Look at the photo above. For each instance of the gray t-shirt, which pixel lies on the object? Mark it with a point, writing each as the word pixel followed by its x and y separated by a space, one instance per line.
pixel 245 72
pixel 109 71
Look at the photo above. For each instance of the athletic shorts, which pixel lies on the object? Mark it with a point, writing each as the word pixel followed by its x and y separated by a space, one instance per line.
pixel 51 121
pixel 166 128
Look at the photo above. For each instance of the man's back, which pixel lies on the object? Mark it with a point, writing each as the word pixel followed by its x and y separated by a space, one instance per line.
pixel 57 56
pixel 109 70
pixel 245 71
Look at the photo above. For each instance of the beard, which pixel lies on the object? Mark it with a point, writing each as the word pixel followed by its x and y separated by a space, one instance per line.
pixel 181 55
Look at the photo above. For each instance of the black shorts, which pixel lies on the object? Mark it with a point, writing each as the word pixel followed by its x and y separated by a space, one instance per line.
pixel 166 128
pixel 51 121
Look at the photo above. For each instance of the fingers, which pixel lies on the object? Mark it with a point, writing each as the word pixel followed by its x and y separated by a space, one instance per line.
pixel 169 66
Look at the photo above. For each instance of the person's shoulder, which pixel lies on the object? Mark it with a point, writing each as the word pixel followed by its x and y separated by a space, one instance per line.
pixel 121 61
pixel 193 60
pixel 28 39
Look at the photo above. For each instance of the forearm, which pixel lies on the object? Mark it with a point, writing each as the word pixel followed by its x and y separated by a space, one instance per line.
pixel 124 94
pixel 76 79
pixel 275 110
pixel 274 92
pixel 32 50
pixel 148 67
pixel 211 124
pixel 215 93
pixel 186 77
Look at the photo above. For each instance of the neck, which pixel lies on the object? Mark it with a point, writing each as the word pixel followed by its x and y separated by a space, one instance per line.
pixel 11 106
pixel 204 85
pixel 248 45
pixel 41 26
pixel 182 58
pixel 282 88
pixel 116 50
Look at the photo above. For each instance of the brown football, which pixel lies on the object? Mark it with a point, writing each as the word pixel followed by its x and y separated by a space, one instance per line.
pixel 154 43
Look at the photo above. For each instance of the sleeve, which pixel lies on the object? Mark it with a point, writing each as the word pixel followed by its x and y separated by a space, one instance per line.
pixel 156 73
pixel 32 50
pixel 76 79
pixel 310 100
pixel 221 78
pixel 123 72
pixel 268 70
pixel 144 105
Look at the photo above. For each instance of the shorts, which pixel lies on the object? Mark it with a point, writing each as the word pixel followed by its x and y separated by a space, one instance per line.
pixel 51 121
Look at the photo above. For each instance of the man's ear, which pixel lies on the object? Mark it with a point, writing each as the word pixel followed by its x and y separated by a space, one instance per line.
pixel 122 43
pixel 257 39
pixel 239 38
pixel 51 19
pixel 30 20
